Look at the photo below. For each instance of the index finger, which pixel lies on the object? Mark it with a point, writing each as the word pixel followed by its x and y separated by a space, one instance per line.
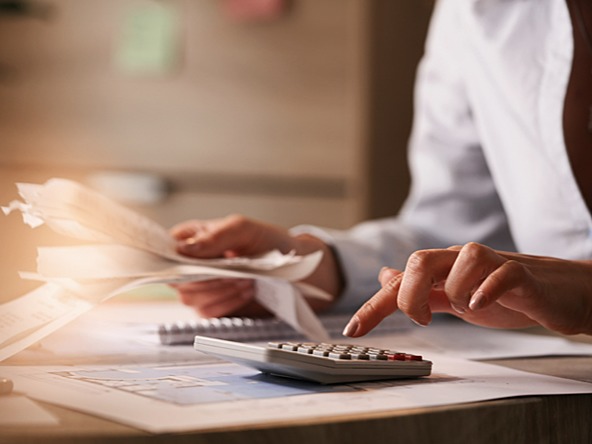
pixel 379 306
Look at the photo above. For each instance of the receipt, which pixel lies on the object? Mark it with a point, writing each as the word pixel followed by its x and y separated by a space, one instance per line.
pixel 129 251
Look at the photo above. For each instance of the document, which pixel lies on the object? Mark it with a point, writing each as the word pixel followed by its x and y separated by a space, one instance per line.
pixel 22 411
pixel 112 353
pixel 129 251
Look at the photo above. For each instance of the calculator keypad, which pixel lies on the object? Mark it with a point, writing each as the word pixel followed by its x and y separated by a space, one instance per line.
pixel 344 351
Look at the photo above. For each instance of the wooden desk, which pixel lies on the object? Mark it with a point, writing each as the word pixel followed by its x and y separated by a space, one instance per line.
pixel 532 419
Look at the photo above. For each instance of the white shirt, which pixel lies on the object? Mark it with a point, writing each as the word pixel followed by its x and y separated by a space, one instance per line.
pixel 487 153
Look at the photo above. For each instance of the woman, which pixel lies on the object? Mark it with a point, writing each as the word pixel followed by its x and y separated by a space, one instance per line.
pixel 499 153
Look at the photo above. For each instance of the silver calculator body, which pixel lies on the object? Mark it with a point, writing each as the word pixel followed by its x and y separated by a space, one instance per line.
pixel 318 362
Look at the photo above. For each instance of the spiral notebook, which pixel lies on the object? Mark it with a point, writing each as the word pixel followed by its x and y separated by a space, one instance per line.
pixel 252 330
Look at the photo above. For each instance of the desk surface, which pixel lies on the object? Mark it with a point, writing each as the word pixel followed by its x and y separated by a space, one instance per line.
pixel 532 419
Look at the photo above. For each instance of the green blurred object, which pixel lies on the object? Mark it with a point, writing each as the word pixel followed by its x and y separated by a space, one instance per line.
pixel 149 40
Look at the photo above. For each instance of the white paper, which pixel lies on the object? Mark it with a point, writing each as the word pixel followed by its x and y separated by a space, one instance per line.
pixel 21 411
pixel 454 337
pixel 134 251
pixel 76 211
pixel 96 354
pixel 26 320
pixel 173 398
pixel 41 312
pixel 129 329
pixel 120 261
pixel 295 311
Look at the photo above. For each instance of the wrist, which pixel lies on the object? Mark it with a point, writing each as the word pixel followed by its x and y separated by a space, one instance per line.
pixel 328 275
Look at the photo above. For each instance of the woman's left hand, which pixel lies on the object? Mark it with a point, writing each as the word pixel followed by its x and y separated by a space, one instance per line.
pixel 484 287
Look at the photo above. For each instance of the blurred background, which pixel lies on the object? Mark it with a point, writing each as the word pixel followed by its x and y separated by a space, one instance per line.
pixel 290 111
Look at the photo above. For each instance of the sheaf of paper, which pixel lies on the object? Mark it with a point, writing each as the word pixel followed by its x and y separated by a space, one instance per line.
pixel 131 251
pixel 76 211
pixel 119 261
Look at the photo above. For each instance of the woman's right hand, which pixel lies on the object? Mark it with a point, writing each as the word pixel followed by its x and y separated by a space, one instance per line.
pixel 235 236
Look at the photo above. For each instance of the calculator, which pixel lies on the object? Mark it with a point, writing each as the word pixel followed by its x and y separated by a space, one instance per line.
pixel 324 363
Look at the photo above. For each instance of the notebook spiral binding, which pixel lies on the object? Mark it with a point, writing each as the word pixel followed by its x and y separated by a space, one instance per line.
pixel 242 329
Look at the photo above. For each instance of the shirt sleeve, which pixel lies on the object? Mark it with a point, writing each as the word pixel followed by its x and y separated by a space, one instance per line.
pixel 453 199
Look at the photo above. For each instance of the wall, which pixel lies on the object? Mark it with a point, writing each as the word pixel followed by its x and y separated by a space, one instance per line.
pixel 280 120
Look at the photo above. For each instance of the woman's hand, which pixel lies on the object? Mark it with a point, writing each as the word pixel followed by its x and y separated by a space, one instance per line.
pixel 234 236
pixel 484 287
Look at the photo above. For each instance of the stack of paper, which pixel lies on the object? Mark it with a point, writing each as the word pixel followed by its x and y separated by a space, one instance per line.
pixel 128 251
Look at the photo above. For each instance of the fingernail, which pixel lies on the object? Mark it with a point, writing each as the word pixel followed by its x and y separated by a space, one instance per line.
pixel 477 301
pixel 351 328
pixel 418 323
pixel 458 308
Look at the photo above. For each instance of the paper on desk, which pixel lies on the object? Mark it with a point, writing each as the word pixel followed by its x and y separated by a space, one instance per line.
pixel 143 253
pixel 32 317
pixel 177 397
pixel 22 411
pixel 121 354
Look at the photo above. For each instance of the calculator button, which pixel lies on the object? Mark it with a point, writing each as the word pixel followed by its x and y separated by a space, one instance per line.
pixel 339 355
pixel 321 352
pixel 307 350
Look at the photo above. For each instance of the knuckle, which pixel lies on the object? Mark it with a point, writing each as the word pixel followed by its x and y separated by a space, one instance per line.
pixel 419 261
pixel 237 221
pixel 474 251
pixel 392 284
